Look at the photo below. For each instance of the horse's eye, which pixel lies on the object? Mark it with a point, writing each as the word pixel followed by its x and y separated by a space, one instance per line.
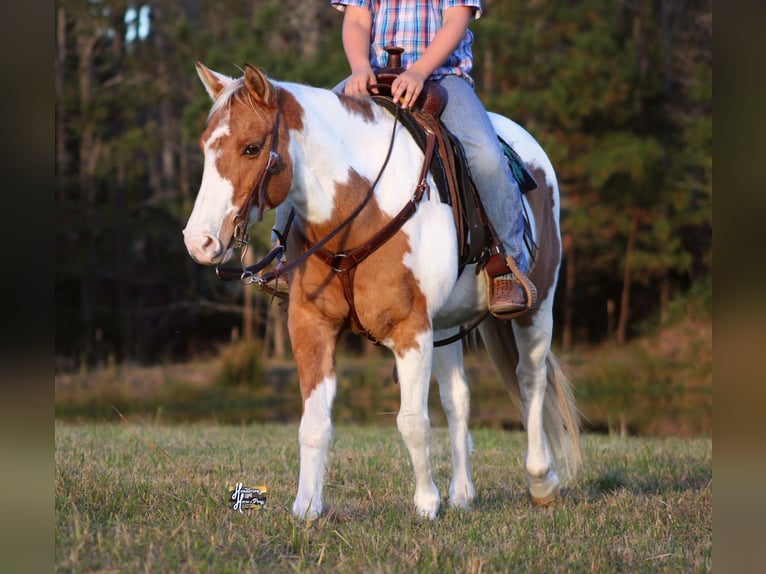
pixel 251 149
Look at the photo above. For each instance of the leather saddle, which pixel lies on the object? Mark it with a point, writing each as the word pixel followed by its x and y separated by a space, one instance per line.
pixel 476 239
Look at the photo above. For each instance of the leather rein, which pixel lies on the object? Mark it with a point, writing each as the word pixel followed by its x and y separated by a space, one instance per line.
pixel 247 274
pixel 343 263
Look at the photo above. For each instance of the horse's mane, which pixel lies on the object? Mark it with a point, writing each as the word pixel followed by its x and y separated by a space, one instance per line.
pixel 233 90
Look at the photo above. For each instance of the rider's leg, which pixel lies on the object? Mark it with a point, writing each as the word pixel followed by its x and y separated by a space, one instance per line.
pixel 500 195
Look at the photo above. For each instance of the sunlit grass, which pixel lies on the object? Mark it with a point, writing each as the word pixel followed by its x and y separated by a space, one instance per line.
pixel 134 497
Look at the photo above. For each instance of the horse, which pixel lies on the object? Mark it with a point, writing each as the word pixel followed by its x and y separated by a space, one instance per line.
pixel 268 142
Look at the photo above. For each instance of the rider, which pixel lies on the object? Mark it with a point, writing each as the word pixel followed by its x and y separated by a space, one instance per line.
pixel 437 46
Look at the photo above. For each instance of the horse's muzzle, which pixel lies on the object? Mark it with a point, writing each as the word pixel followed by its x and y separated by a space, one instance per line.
pixel 204 248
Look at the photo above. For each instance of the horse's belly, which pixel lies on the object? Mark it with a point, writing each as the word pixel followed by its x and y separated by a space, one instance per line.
pixel 433 252
pixel 467 299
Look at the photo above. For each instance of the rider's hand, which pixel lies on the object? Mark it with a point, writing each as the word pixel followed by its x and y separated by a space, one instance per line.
pixel 407 87
pixel 358 83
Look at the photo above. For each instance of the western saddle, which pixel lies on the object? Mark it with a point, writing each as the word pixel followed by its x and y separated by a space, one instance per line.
pixel 477 241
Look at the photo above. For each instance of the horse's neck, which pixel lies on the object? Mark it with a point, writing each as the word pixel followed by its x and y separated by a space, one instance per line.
pixel 339 148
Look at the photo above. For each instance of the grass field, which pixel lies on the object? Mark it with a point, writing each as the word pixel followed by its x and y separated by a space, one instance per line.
pixel 150 498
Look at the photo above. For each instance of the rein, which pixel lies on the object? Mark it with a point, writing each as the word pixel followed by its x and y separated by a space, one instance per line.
pixel 247 275
pixel 343 263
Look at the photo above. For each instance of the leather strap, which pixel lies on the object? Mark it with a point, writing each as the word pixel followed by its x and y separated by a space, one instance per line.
pixel 344 263
pixel 526 284
pixel 246 274
pixel 259 189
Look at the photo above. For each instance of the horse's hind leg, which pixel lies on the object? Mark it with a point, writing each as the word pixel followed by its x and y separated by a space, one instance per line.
pixel 534 342
pixel 413 366
pixel 314 348
pixel 455 399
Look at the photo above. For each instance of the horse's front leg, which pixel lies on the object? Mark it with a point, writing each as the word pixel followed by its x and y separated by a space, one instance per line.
pixel 413 365
pixel 455 399
pixel 314 349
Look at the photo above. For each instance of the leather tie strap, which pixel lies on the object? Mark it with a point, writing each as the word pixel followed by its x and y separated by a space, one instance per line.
pixel 242 218
pixel 246 274
pixel 344 263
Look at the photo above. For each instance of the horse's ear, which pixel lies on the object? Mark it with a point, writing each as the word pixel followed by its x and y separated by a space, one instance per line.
pixel 213 81
pixel 259 86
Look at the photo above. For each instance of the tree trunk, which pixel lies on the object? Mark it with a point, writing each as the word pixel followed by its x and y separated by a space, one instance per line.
pixel 622 326
pixel 88 153
pixel 488 65
pixel 89 148
pixel 127 315
pixel 275 338
pixel 309 26
pixel 280 331
pixel 184 184
pixel 62 157
pixel 566 336
pixel 664 299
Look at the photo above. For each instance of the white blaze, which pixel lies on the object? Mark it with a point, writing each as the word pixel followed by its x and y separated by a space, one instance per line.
pixel 214 200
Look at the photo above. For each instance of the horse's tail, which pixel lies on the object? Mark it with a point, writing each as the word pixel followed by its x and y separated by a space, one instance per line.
pixel 561 418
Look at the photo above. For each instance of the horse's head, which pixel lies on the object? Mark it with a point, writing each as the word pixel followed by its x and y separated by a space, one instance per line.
pixel 247 167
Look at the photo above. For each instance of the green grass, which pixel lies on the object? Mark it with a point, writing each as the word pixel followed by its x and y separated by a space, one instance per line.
pixel 152 498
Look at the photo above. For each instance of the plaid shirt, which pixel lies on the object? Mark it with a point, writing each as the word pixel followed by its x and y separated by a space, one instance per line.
pixel 412 24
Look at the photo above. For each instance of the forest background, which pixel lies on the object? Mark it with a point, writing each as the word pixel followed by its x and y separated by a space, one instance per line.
pixel 619 93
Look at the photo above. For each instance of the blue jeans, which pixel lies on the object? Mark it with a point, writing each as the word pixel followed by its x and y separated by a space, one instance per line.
pixel 467 119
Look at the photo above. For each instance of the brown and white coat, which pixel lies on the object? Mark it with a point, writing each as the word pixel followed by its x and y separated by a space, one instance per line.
pixel 331 148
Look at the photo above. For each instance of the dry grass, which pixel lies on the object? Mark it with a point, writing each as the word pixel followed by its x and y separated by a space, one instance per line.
pixel 151 498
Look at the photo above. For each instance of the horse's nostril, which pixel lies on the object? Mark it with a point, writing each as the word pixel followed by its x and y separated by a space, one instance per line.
pixel 212 246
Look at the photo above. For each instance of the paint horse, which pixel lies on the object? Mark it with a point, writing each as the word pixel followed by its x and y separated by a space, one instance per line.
pixel 323 152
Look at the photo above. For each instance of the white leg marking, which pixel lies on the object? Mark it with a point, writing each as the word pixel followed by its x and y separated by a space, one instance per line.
pixel 414 368
pixel 455 398
pixel 534 344
pixel 314 437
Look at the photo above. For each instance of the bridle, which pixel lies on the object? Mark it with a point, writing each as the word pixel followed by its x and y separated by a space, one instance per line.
pixel 240 237
pixel 247 274
pixel 242 218
pixel 343 264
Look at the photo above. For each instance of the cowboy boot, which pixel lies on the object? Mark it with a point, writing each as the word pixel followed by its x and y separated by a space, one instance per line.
pixel 509 292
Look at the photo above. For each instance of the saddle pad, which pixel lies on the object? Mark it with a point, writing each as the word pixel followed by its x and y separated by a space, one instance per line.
pixel 518 169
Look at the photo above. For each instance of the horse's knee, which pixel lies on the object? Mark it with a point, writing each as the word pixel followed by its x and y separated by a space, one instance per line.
pixel 316 434
pixel 415 428
pixel 455 399
pixel 316 423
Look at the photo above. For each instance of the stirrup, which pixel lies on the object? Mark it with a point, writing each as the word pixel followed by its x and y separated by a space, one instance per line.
pixel 526 284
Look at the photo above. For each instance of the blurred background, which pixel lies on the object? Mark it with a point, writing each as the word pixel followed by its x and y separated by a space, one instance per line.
pixel 618 93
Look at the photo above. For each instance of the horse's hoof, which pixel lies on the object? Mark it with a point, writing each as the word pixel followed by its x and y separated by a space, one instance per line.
pixel 461 503
pixel 306 512
pixel 429 513
pixel 544 501
pixel 461 497
pixel 544 489
pixel 427 506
